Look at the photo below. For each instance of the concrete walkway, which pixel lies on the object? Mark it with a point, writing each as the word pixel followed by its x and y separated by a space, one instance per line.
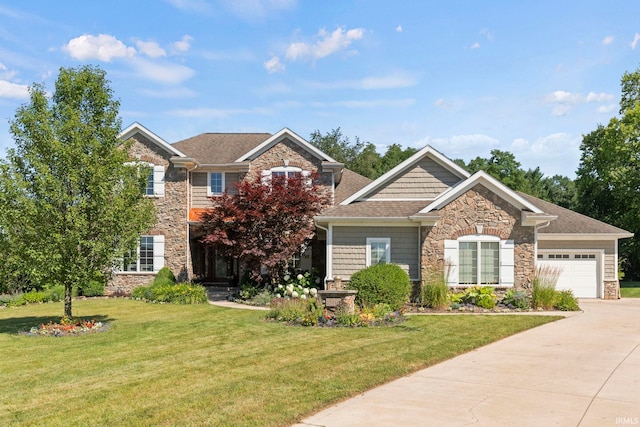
pixel 220 296
pixel 583 370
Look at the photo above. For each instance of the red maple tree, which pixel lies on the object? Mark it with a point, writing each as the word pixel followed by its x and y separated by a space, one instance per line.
pixel 264 223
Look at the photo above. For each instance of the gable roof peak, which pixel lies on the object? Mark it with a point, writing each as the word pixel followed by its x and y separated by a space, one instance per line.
pixel 490 183
pixel 426 151
pixel 286 133
pixel 136 128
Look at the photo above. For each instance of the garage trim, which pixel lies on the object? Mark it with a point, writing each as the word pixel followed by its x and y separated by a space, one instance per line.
pixel 598 254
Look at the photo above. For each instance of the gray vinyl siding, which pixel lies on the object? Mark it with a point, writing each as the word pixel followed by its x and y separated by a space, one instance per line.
pixel 349 248
pixel 427 179
pixel 199 186
pixel 609 247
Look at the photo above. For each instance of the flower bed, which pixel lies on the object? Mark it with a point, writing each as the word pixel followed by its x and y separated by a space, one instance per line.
pixel 66 327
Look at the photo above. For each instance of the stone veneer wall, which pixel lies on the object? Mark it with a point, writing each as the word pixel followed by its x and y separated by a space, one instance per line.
pixel 480 207
pixel 611 289
pixel 172 219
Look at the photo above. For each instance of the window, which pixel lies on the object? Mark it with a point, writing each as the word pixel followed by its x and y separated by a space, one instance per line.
pixel 480 260
pixel 149 256
pixel 378 250
pixel 148 191
pixel 216 183
pixel 155 181
pixel 284 172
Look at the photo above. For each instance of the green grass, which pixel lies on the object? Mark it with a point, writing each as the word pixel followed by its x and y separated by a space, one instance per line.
pixel 203 365
pixel 630 289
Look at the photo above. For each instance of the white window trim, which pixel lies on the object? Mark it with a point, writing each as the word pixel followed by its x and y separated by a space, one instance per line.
pixel 158 256
pixel 211 193
pixel 158 177
pixel 506 259
pixel 386 241
pixel 267 175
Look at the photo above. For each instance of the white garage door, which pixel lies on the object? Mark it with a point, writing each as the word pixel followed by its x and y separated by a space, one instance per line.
pixel 579 272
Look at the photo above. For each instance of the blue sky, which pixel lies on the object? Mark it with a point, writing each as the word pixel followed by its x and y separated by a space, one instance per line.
pixel 466 77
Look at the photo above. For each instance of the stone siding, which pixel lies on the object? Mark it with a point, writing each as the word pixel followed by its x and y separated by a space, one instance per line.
pixel 611 289
pixel 172 218
pixel 480 208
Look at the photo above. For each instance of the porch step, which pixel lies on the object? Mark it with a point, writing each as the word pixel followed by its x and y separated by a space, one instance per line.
pixel 219 293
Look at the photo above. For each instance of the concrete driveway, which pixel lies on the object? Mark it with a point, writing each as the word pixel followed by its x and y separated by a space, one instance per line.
pixel 580 371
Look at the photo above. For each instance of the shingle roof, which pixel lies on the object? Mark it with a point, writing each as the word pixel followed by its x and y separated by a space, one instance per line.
pixel 376 209
pixel 349 184
pixel 220 148
pixel 570 222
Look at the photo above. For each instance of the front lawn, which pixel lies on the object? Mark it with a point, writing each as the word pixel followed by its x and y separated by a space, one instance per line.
pixel 630 289
pixel 205 365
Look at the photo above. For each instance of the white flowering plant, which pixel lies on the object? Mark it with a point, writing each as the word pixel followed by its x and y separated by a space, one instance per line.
pixel 301 285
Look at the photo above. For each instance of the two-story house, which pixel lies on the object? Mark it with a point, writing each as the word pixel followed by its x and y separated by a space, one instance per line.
pixel 188 173
pixel 425 213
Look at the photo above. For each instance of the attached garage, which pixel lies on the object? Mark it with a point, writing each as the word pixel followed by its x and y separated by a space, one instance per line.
pixel 581 271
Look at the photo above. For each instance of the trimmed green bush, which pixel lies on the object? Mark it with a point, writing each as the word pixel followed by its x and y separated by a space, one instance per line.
pixel 382 283
pixel 177 293
pixel 565 301
pixel 164 276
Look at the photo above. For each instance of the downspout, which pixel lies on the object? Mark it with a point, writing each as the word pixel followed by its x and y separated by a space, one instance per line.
pixel 324 282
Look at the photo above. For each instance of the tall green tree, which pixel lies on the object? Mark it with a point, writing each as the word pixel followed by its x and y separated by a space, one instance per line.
pixel 72 200
pixel 503 166
pixel 608 176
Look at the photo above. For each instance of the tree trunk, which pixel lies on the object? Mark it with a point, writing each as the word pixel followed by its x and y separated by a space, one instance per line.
pixel 67 301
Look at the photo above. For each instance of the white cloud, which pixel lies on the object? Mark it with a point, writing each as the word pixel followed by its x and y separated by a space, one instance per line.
pixel 13 90
pixel 182 45
pixel 399 28
pixel 441 103
pixel 103 47
pixel 607 40
pixel 476 45
pixel 487 33
pixel 607 108
pixel 519 144
pixel 635 41
pixel 564 101
pixel 274 65
pixel 327 44
pixel 151 49
pixel 167 73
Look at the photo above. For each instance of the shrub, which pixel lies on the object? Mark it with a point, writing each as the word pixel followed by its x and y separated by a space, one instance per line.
pixel 305 312
pixel 516 299
pixel 164 276
pixel 298 285
pixel 382 283
pixel 55 293
pixel 434 290
pixel 482 296
pixel 93 288
pixel 565 301
pixel 177 293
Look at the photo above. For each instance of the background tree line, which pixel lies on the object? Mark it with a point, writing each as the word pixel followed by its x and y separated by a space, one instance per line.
pixel 362 157
pixel 607 184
